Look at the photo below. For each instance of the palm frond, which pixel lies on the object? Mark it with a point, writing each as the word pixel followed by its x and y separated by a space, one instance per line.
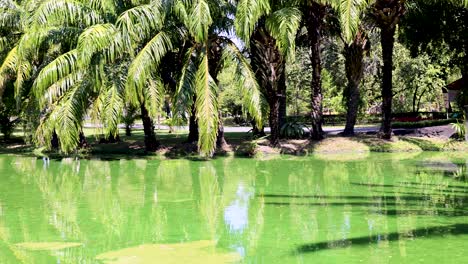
pixel 44 132
pixel 56 70
pixel 350 12
pixel 247 15
pixel 145 64
pixel 283 26
pixel 140 22
pixel 66 12
pixel 10 19
pixel 107 7
pixel 31 42
pixel 8 4
pixel 206 107
pixel 59 88
pixel 68 116
pixel 245 80
pixel 65 117
pixel 23 73
pixel 183 97
pixel 154 97
pixel 112 101
pixel 180 9
pixel 4 44
pixel 7 68
pixel 99 38
pixel 200 20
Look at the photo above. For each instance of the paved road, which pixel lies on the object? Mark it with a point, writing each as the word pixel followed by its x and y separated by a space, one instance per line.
pixel 330 130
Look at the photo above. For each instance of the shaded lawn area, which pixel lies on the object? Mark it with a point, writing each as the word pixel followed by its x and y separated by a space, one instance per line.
pixel 174 145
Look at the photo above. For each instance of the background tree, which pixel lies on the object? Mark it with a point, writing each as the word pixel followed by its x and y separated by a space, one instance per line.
pixel 387 15
pixel 439 29
pixel 269 29
pixel 356 44
pixel 314 19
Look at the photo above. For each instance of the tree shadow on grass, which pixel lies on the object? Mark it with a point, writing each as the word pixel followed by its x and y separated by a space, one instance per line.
pixel 438 231
pixel 425 145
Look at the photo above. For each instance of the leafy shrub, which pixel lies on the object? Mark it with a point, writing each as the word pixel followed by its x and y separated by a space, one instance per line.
pixel 292 130
pixel 425 123
pixel 459 129
pixel 248 149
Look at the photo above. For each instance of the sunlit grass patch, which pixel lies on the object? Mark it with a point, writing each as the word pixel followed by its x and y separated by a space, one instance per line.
pixel 202 252
pixel 339 145
pixel 395 145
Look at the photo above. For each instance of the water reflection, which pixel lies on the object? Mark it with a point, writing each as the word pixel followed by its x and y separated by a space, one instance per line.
pixel 273 211
pixel 236 214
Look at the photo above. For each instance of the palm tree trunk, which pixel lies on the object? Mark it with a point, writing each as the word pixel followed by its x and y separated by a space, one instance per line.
pixel 215 55
pixel 387 14
pixel 128 130
pixel 55 141
pixel 82 140
pixel 354 64
pixel 274 122
pixel 257 131
pixel 282 113
pixel 151 143
pixel 193 126
pixel 269 67
pixel 314 22
pixel 387 38
pixel 220 140
pixel 282 104
pixel 465 86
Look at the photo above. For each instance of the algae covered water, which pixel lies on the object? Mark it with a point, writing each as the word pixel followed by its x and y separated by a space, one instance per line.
pixel 383 208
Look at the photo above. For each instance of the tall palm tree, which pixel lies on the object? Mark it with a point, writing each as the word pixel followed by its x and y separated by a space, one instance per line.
pixel 147 40
pixel 315 13
pixel 356 44
pixel 387 15
pixel 199 26
pixel 14 19
pixel 314 16
pixel 269 28
pixel 354 66
pixel 61 59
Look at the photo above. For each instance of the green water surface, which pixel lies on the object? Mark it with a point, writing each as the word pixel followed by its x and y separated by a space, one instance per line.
pixel 385 208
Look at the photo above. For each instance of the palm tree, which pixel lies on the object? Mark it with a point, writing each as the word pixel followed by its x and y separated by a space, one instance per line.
pixel 269 28
pixel 356 44
pixel 147 42
pixel 199 26
pixel 314 12
pixel 14 16
pixel 61 58
pixel 354 65
pixel 387 15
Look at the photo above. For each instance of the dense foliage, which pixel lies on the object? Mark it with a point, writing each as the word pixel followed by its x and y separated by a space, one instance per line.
pixel 66 63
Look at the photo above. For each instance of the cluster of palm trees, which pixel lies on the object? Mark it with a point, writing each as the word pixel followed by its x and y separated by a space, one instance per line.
pixel 68 59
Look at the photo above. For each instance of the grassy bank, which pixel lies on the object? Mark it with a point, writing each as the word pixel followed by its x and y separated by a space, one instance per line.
pixel 173 146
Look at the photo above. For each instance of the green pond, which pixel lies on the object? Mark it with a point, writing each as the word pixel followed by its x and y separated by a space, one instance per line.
pixel 380 208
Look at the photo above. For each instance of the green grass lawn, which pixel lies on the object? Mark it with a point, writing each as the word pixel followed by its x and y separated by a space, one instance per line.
pixel 173 144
